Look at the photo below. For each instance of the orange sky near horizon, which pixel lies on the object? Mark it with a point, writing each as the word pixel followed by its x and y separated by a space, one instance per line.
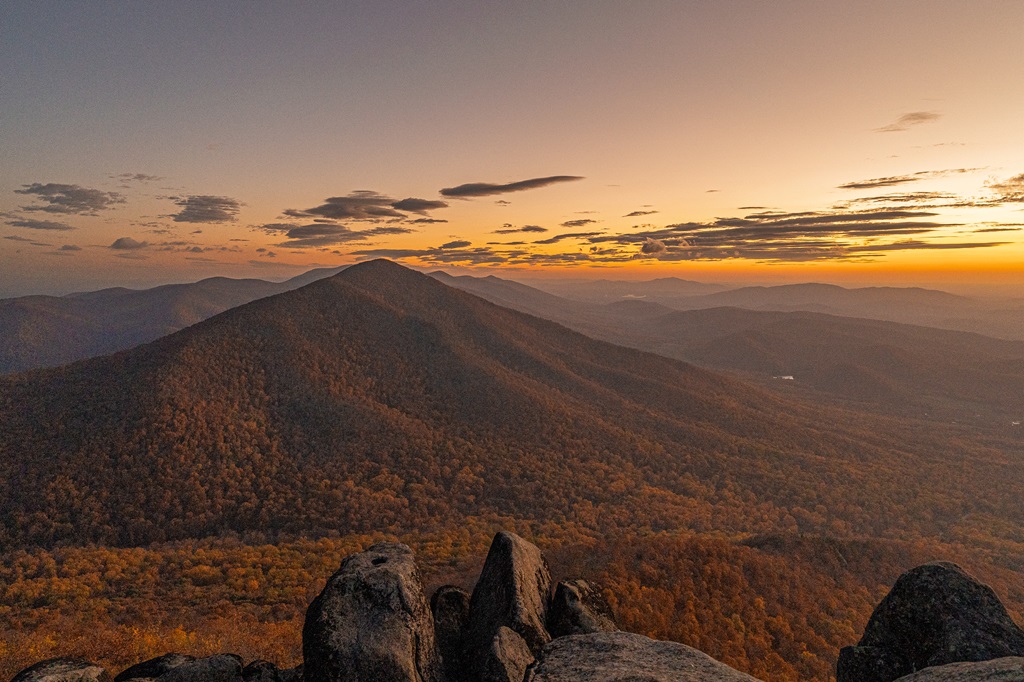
pixel 857 143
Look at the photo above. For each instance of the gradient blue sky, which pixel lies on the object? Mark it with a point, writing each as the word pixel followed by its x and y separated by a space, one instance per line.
pixel 151 142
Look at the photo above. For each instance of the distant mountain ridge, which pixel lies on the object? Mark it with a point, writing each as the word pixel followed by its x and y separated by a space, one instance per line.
pixel 46 331
pixel 380 398
pixel 868 363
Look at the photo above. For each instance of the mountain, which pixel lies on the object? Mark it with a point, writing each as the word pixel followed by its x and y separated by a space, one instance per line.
pixel 380 399
pixel 873 364
pixel 608 291
pixel 913 305
pixel 46 331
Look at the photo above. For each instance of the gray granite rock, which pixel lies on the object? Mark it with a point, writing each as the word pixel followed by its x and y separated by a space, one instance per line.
pixel 217 668
pixel 507 659
pixel 935 614
pixel 1007 669
pixel 371 622
pixel 63 670
pixel 154 667
pixel 514 591
pixel 625 657
pixel 579 608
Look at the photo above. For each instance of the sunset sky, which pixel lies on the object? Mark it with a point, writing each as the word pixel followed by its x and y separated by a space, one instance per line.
pixel 853 142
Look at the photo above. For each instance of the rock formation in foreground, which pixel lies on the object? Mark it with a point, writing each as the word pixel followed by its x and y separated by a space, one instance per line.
pixel 625 657
pixel 935 614
pixel 372 622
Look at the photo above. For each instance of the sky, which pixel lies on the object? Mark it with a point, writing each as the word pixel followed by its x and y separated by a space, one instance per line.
pixel 856 142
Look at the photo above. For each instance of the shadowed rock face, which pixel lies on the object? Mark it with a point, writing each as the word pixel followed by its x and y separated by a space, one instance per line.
pixel 260 671
pixel 579 608
pixel 625 657
pixel 219 668
pixel 507 659
pixel 63 670
pixel 1010 669
pixel 513 591
pixel 935 614
pixel 450 608
pixel 371 622
pixel 154 667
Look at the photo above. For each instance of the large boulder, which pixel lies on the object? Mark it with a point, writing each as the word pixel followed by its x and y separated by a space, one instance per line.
pixel 450 608
pixel 1009 669
pixel 507 659
pixel 217 668
pixel 935 614
pixel 371 622
pixel 63 670
pixel 625 657
pixel 514 591
pixel 261 671
pixel 579 608
pixel 154 667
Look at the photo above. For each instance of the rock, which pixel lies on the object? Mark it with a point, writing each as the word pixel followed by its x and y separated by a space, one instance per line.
pixel 261 671
pixel 291 674
pixel 154 667
pixel 371 622
pixel 625 657
pixel 217 668
pixel 63 670
pixel 507 659
pixel 935 614
pixel 579 608
pixel 513 591
pixel 450 608
pixel 1008 669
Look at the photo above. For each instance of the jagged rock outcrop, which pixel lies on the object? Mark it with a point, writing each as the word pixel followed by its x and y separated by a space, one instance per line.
pixel 1009 669
pixel 450 608
pixel 371 622
pixel 291 674
pixel 579 608
pixel 507 659
pixel 63 670
pixel 261 671
pixel 217 668
pixel 154 667
pixel 935 614
pixel 514 591
pixel 625 657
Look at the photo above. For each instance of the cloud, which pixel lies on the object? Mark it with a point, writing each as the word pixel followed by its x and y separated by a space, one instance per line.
pixel 420 206
pixel 135 177
pixel 50 225
pixel 637 214
pixel 70 247
pixel 16 238
pixel 906 121
pixel 427 221
pixel 904 179
pixel 774 236
pixel 485 189
pixel 69 199
pixel 507 228
pixel 314 235
pixel 568 235
pixel 359 205
pixel 205 208
pixel 653 247
pixel 580 222
pixel 458 244
pixel 1010 190
pixel 128 244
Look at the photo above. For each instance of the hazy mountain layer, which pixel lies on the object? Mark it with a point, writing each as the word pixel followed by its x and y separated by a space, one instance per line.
pixel 46 331
pixel 914 370
pixel 380 399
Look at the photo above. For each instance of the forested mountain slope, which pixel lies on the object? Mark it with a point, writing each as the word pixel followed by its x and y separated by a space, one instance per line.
pixel 380 399
pixel 46 331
